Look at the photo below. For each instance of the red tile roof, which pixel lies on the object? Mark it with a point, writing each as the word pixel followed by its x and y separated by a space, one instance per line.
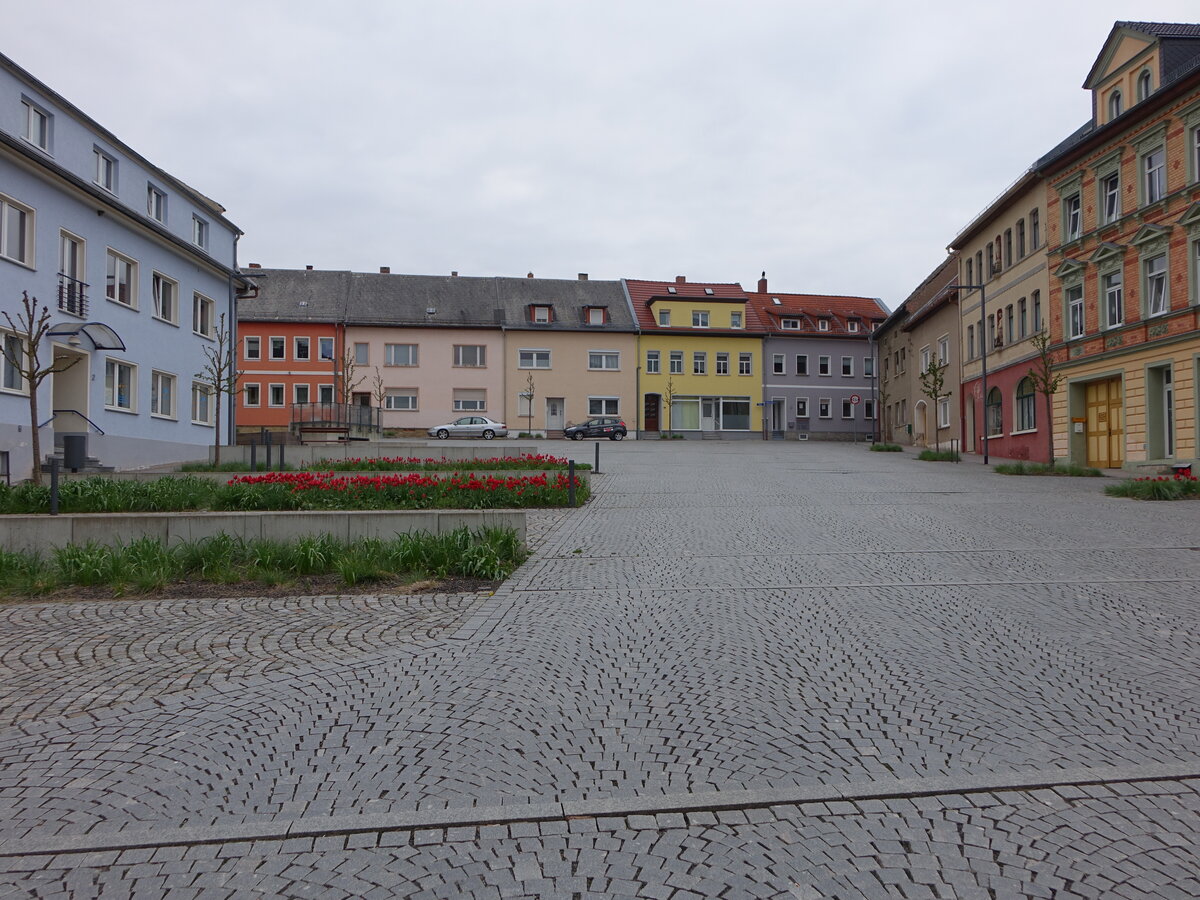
pixel 810 308
pixel 643 293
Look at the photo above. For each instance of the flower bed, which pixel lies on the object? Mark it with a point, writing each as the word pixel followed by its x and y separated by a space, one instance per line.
pixel 531 461
pixel 1161 487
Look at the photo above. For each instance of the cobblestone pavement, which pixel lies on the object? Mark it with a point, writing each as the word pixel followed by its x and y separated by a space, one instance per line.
pixel 744 670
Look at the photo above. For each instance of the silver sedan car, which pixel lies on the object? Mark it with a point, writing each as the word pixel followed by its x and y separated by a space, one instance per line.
pixel 470 426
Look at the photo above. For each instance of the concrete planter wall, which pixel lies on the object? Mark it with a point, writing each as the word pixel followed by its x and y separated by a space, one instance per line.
pixel 25 533
pixel 306 454
pixel 223 477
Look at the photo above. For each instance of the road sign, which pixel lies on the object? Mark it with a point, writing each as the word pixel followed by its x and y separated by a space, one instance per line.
pixel 855 399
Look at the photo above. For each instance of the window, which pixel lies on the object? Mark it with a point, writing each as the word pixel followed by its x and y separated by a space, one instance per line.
pixel 1145 84
pixel 852 325
pixel 824 407
pixel 324 393
pixel 278 348
pixel 847 409
pixel 199 232
pixel 970 272
pixel 722 363
pixel 162 395
pixel 1154 172
pixel 868 409
pixel 533 359
pixel 362 353
pixel 847 366
pixel 664 317
pixel 869 366
pixel 204 316
pixel 401 399
pixel 299 394
pixel 1009 331
pixel 995 412
pixel 16 231
pixel 71 295
pixel 1020 239
pixel 1110 197
pixel 943 412
pixel 735 319
pixel 699 318
pixel 822 325
pixel 399 354
pixel 202 406
pixel 325 348
pixel 1072 217
pixel 604 406
pixel 608 360
pixel 1114 302
pixel 156 204
pixel 37 125
pixel 275 395
pixel 925 357
pixel 120 285
pixel 1022 318
pixel 970 342
pixel 1075 309
pixel 652 362
pixel 823 365
pixel 106 170
pixel 253 347
pixel 991 263
pixel 1035 230
pixel 745 364
pixel 1115 106
pixel 801 407
pixel 1157 302
pixel 801 364
pixel 979 266
pixel 1008 247
pixel 1026 405
pixel 301 348
pixel 120 383
pixel 596 315
pixel 676 362
pixel 165 293
pixel 778 364
pixel 471 356
pixel 252 395
pixel 470 400
pixel 790 324
pixel 699 363
pixel 14 352
pixel 1036 320
pixel 540 315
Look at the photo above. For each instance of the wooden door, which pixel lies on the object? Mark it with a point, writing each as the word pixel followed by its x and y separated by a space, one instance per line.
pixel 1105 424
pixel 650 413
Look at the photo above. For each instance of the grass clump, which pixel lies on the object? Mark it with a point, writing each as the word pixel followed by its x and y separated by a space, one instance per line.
pixel 939 456
pixel 1162 487
pixel 1065 469
pixel 147 565
pixel 881 447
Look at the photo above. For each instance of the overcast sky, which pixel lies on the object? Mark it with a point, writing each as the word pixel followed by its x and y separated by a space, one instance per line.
pixel 839 146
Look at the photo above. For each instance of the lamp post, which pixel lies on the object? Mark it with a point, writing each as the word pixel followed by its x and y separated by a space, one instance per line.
pixel 983 342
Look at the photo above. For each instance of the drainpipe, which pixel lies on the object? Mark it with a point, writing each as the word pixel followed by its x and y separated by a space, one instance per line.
pixel 231 413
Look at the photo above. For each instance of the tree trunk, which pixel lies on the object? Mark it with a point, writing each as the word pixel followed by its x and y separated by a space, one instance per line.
pixel 35 435
pixel 1050 430
pixel 217 437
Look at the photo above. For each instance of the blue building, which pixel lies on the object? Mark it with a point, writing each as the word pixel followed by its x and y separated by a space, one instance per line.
pixel 136 268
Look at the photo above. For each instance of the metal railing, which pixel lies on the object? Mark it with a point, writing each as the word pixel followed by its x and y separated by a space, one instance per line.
pixel 334 417
pixel 57 412
pixel 72 296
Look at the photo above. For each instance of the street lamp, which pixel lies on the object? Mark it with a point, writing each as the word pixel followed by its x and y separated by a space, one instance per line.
pixel 983 342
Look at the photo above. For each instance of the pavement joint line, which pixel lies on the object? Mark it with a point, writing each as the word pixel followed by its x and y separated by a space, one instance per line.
pixel 542 811
pixel 814 585
pixel 1122 548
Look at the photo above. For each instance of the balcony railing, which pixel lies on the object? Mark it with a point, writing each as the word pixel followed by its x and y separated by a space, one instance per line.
pixel 72 296
pixel 350 418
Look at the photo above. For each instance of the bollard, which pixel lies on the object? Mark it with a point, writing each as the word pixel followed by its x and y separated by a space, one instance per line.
pixel 571 484
pixel 281 446
pixel 53 486
pixel 596 467
pixel 254 456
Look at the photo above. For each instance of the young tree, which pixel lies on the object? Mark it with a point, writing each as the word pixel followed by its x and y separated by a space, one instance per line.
pixel 220 376
pixel 30 327
pixel 933 380
pixel 348 382
pixel 378 391
pixel 1046 382
pixel 669 400
pixel 528 395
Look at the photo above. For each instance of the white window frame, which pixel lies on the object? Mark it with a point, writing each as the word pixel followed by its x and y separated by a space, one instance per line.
pixel 653 362
pixel 159 281
pixel 156 203
pixel 1073 216
pixel 411 355
pixel 106 170
pixel 540 315
pixel 306 343
pixel 1112 286
pixel 699 362
pixel 111 393
pixel 943 350
pixel 1110 197
pixel 462 356
pixel 801 407
pixel 1076 313
pixel 735 319
pixel 802 369
pixel 943 412
pixel 790 324
pixel 825 408
pixel 301 387
pixel 34 112
pixel 597 315
pixel 324 393
pixel 323 354
pixel 868 367
pixel 778 364
pixel 470 404
pixel 664 318
pixel 675 363
pixel 745 363
pixel 604 406
pixel 1153 164
pixel 157 380
pixel 25 244
pixel 246 389
pixel 393 396
pixel 847 366
pixel 9 372
pixel 246 344
pixel 114 261
pixel 362 353
pixel 604 361
pixel 200 232
pixel 532 357
pixel 700 318
pixel 822 325
pixel 722 363
pixel 203 405
pixel 200 303
pixel 1157 288
pixel 272 389
pixel 825 366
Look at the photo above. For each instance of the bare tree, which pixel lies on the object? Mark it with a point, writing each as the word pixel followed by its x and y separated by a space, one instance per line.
pixel 30 327
pixel 348 382
pixel 668 396
pixel 933 380
pixel 529 395
pixel 378 391
pixel 1046 382
pixel 219 376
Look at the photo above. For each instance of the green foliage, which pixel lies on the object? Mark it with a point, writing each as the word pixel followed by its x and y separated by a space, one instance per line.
pixel 1163 487
pixel 939 456
pixel 886 448
pixel 1065 469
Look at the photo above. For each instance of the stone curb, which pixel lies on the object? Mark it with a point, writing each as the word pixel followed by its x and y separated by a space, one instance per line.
pixel 539 810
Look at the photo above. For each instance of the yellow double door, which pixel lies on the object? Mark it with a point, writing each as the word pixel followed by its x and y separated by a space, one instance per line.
pixel 1105 424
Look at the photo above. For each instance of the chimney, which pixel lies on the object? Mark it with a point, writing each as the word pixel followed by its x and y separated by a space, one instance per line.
pixel 679 279
pixel 454 274
pixel 762 283
pixel 583 276
pixel 255 265
pixel 385 270
pixel 308 268
pixel 529 275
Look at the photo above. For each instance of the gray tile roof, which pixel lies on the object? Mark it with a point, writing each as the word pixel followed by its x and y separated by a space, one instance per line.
pixel 295 295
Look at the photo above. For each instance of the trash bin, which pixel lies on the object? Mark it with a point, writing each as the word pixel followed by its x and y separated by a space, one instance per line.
pixel 74 451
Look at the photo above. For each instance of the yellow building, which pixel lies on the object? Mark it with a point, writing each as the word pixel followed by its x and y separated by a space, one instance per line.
pixel 699 359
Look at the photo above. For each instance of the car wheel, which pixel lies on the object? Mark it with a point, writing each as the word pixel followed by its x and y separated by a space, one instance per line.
pixel 443 434
pixel 616 436
pixel 577 436
pixel 488 434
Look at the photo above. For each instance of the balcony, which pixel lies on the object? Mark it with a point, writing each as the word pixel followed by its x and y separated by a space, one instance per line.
pixel 72 296
pixel 349 421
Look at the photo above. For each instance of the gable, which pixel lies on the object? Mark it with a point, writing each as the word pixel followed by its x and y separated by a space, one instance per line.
pixel 1122 48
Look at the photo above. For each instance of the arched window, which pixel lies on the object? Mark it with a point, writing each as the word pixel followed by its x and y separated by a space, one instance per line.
pixel 1144 84
pixel 995 413
pixel 1026 405
pixel 1115 107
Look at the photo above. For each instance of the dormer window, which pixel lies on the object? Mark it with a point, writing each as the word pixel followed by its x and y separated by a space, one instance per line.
pixel 540 315
pixel 852 325
pixel 1115 106
pixel 708 291
pixel 664 317
pixel 735 320
pixel 1145 84
pixel 822 325
pixel 597 315
pixel 699 318
pixel 790 324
